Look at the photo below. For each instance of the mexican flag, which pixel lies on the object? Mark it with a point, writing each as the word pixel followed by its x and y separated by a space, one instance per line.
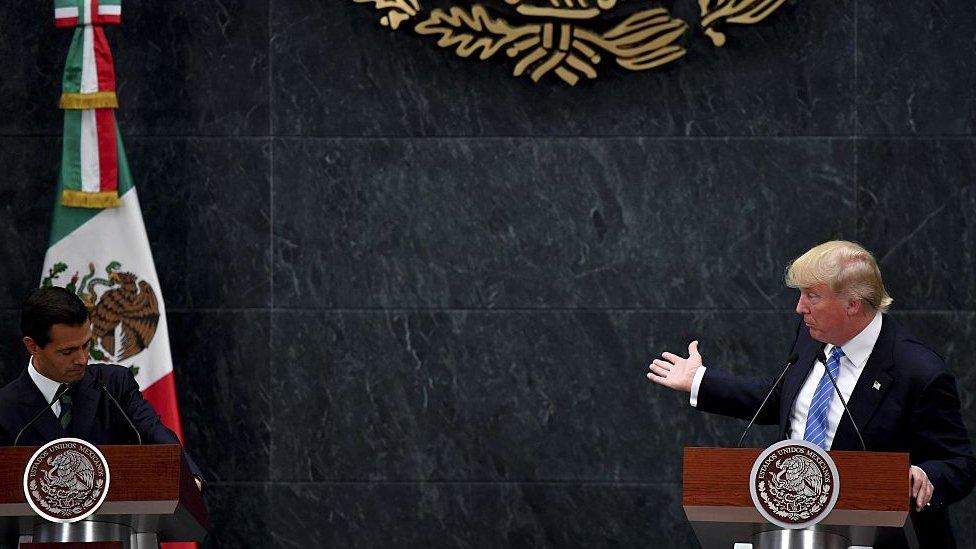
pixel 103 255
pixel 98 246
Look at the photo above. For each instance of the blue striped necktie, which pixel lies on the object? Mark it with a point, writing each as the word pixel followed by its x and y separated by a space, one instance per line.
pixel 820 405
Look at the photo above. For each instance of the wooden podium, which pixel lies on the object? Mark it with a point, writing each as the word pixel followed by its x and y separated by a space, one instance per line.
pixel 873 505
pixel 151 498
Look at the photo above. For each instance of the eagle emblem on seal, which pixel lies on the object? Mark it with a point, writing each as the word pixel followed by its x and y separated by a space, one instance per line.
pixel 797 477
pixel 69 472
pixel 66 480
pixel 794 484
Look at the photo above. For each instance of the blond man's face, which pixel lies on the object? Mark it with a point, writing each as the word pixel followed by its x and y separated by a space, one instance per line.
pixel 825 314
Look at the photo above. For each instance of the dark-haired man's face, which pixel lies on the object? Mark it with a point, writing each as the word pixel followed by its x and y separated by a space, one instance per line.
pixel 65 356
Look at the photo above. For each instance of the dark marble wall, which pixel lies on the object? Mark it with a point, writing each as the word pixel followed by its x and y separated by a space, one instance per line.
pixel 412 299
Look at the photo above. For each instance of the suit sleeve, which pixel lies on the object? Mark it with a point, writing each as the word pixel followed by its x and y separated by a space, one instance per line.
pixel 940 444
pixel 147 421
pixel 735 396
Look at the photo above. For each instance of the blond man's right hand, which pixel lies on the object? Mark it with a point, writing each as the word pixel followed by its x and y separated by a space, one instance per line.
pixel 674 371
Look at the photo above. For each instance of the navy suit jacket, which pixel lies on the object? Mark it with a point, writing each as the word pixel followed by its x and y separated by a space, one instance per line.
pixel 915 410
pixel 94 417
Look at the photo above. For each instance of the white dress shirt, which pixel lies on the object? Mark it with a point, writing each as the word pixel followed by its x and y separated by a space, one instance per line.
pixel 48 387
pixel 856 354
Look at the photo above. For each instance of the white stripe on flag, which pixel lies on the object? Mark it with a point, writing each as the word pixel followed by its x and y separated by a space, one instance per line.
pixel 118 234
pixel 91 175
pixel 110 10
pixel 87 15
pixel 89 72
pixel 66 13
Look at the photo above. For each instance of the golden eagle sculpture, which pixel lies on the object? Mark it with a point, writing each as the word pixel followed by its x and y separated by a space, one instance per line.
pixel 570 38
pixel 131 305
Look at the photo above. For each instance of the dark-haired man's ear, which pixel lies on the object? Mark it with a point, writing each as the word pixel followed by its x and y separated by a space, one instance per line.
pixel 31 345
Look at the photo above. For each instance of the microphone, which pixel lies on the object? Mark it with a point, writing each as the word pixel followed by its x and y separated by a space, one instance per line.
pixel 57 397
pixel 823 359
pixel 791 361
pixel 119 406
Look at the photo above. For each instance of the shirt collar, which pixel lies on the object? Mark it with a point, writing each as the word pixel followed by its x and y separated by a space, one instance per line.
pixel 859 348
pixel 48 387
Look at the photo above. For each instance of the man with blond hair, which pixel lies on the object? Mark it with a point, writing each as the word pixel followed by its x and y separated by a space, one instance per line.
pixel 899 392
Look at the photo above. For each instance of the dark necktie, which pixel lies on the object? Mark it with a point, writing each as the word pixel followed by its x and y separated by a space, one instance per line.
pixel 65 401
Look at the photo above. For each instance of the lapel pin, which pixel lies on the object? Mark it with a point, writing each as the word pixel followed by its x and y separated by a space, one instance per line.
pixel 877 386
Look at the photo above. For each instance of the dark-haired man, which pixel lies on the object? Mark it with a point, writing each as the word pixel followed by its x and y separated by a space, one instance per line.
pixel 57 332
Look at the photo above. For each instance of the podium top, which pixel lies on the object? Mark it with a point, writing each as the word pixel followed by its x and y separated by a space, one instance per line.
pixel 874 487
pixel 151 487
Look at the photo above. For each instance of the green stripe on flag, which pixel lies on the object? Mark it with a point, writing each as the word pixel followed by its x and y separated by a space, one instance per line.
pixel 125 177
pixel 110 3
pixel 70 176
pixel 66 219
pixel 71 82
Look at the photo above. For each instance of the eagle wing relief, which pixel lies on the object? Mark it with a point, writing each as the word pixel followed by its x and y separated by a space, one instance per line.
pixel 132 306
pixel 561 38
pixel 812 480
pixel 741 12
pixel 569 38
pixel 397 11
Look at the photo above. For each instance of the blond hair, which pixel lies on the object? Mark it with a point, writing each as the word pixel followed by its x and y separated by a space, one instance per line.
pixel 848 268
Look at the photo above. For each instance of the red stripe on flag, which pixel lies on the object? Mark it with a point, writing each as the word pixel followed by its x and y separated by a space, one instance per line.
pixel 108 153
pixel 162 396
pixel 61 22
pixel 103 60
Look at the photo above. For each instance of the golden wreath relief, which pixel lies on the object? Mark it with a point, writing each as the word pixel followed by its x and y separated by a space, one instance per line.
pixel 558 36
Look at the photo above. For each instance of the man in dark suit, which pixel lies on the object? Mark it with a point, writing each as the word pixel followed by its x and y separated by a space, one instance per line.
pixel 900 393
pixel 71 395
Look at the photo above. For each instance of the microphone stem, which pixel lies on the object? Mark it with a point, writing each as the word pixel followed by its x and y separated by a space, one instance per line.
pixel 844 403
pixel 789 363
pixel 57 397
pixel 119 406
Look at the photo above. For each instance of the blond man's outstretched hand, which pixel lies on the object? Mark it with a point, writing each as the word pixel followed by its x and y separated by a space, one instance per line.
pixel 674 371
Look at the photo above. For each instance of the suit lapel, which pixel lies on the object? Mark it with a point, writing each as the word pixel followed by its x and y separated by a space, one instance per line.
pixel 31 402
pixel 794 381
pixel 83 412
pixel 869 391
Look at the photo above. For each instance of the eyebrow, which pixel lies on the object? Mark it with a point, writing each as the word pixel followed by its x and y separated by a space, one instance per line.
pixel 82 344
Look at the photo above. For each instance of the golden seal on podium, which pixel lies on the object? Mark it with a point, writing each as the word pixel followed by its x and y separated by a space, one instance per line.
pixel 794 484
pixel 66 480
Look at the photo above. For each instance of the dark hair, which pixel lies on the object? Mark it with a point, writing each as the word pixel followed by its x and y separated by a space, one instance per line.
pixel 47 306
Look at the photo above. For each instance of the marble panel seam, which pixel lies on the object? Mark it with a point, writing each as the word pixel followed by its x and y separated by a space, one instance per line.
pixel 677 310
pixel 314 483
pixel 570 137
